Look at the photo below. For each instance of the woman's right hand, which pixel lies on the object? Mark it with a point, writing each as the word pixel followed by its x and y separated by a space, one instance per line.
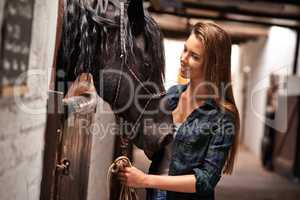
pixel 133 177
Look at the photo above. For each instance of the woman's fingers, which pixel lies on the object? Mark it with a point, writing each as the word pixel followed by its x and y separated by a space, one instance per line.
pixel 126 169
pixel 122 177
pixel 132 177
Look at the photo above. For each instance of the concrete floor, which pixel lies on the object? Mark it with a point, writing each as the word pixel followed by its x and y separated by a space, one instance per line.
pixel 249 180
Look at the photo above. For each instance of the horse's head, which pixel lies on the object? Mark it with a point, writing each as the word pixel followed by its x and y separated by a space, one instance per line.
pixel 122 47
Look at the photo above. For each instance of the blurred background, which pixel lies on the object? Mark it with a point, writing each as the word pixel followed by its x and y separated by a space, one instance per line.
pixel 265 38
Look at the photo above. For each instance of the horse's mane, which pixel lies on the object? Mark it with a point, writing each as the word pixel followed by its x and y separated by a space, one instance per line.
pixel 88 39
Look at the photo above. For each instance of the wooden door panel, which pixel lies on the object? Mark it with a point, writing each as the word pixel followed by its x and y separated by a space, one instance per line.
pixel 285 142
pixel 76 148
pixel 52 139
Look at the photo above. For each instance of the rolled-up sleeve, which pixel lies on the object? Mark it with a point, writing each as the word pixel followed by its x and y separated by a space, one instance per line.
pixel 209 171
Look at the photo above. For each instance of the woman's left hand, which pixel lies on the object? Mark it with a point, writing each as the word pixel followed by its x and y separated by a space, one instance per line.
pixel 133 177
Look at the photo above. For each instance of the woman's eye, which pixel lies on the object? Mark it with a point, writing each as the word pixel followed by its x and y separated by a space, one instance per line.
pixel 195 57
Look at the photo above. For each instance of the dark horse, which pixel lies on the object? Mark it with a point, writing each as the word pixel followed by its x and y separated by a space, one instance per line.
pixel 121 46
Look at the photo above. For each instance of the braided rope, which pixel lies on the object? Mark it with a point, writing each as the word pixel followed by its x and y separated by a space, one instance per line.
pixel 126 193
pixel 122 41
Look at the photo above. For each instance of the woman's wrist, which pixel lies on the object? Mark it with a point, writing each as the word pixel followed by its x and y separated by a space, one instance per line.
pixel 148 181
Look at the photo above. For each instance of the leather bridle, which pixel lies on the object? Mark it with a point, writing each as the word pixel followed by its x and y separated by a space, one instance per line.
pixel 134 75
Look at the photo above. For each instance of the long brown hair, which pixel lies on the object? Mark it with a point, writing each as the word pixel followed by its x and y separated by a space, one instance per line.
pixel 217 71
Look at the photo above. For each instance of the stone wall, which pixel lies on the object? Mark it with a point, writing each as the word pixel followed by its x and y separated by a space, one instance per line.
pixel 22 119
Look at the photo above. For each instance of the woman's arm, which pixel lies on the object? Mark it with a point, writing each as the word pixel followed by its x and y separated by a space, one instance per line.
pixel 133 177
pixel 205 177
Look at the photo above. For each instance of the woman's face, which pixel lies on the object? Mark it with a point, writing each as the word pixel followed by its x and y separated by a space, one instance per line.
pixel 191 59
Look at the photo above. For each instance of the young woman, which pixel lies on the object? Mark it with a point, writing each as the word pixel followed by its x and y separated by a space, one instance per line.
pixel 204 110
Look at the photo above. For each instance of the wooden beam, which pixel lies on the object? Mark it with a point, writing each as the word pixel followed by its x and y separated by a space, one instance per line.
pixel 179 28
pixel 224 18
pixel 240 11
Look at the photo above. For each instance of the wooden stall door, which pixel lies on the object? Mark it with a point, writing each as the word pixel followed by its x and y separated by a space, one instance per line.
pixel 67 153
pixel 286 142
pixel 72 173
pixel 52 140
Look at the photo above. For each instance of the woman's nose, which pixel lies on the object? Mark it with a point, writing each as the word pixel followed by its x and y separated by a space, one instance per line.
pixel 183 57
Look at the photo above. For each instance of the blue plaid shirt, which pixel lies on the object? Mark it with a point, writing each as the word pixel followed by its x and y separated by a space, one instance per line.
pixel 200 146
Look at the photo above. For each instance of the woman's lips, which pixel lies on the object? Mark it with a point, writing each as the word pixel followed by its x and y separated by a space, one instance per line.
pixel 183 69
pixel 183 72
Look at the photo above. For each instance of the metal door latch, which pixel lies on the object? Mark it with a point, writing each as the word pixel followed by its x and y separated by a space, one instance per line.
pixel 64 167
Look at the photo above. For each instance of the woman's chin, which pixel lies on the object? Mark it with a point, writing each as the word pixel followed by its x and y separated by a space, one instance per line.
pixel 184 72
pixel 184 75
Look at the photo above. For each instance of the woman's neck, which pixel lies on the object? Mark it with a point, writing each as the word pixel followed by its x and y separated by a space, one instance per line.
pixel 196 92
pixel 197 87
